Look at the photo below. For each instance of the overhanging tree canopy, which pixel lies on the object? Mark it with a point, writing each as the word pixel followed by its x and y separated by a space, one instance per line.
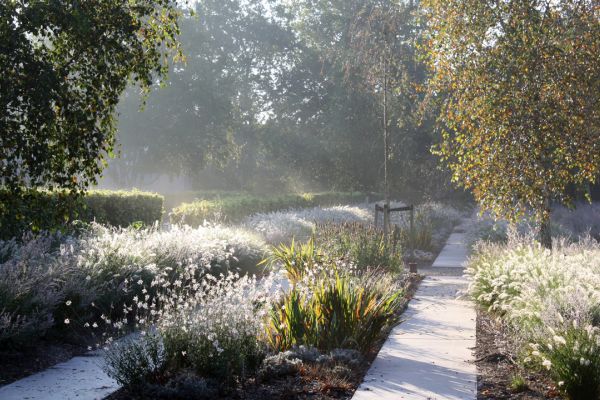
pixel 521 88
pixel 64 65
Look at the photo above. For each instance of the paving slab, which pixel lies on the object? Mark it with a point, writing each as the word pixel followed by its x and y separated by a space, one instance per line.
pixel 80 378
pixel 455 252
pixel 430 354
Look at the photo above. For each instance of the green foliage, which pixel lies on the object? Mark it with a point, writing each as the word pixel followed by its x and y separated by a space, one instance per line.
pixel 137 361
pixel 249 59
pixel 296 259
pixel 519 84
pixel 364 246
pixel 122 208
pixel 237 356
pixel 574 356
pixel 65 66
pixel 206 114
pixel 342 74
pixel 175 199
pixel 235 208
pixel 38 210
pixel 518 384
pixel 339 311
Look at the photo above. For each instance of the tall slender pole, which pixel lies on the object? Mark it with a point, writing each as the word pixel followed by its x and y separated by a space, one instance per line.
pixel 386 207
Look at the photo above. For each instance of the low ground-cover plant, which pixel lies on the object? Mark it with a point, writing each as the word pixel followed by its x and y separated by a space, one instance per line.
pixel 551 301
pixel 136 361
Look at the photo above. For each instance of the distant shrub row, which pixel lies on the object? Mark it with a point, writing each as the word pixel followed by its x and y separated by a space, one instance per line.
pixel 44 210
pixel 235 208
pixel 175 199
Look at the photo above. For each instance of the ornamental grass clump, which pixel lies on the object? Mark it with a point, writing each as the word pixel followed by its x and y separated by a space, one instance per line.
pixel 334 308
pixel 572 356
pixel 283 226
pixel 365 246
pixel 432 222
pixel 296 259
pixel 551 302
pixel 37 278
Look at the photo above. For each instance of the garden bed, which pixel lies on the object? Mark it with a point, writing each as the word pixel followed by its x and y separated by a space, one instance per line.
pixel 500 377
pixel 548 300
pixel 315 381
pixel 133 260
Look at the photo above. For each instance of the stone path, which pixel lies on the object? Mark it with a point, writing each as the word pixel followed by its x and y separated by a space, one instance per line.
pixel 429 355
pixel 80 378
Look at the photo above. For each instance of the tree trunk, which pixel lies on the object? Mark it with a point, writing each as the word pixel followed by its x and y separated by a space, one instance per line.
pixel 545 231
pixel 545 234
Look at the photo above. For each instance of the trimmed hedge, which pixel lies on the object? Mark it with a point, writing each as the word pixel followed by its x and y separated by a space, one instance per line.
pixel 236 208
pixel 38 210
pixel 122 208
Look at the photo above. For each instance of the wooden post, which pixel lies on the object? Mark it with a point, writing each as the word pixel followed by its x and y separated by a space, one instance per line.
pixel 412 267
pixel 376 216
pixel 386 220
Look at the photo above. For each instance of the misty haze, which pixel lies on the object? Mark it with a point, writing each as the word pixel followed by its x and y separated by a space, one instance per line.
pixel 299 199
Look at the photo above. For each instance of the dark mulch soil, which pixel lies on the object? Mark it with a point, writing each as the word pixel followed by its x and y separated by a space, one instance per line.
pixel 497 369
pixel 309 383
pixel 28 359
pixel 314 382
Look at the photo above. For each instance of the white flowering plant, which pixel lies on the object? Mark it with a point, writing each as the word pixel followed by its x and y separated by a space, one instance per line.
pixel 572 356
pixel 218 331
pixel 212 325
pixel 550 300
pixel 100 270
